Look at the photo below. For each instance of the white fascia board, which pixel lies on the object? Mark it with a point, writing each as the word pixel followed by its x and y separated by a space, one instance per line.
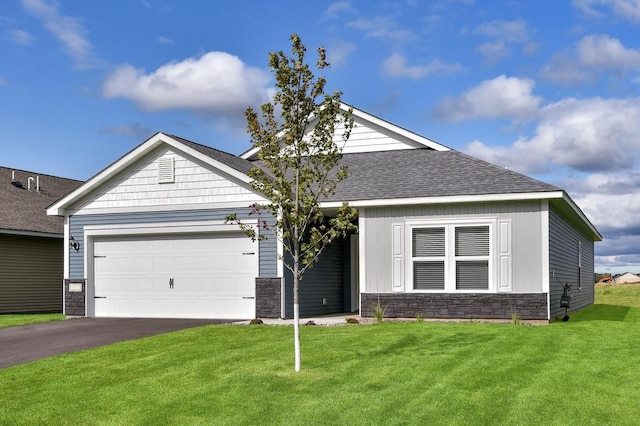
pixel 582 216
pixel 397 129
pixel 58 208
pixel 253 152
pixel 447 199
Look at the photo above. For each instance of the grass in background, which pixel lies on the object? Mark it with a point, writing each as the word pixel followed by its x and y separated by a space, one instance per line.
pixel 11 320
pixel 579 372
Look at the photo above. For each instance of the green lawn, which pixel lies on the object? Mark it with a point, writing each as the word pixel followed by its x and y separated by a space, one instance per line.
pixel 581 372
pixel 10 320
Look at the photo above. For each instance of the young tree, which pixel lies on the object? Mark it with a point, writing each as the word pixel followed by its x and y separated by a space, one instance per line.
pixel 299 157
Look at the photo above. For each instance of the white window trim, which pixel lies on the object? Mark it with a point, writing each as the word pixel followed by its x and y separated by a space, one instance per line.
pixel 450 258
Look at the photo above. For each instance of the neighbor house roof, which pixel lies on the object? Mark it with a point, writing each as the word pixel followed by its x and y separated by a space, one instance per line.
pixel 23 203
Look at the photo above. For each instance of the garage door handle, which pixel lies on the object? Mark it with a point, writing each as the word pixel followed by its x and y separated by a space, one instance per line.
pixel 99 297
pixel 248 297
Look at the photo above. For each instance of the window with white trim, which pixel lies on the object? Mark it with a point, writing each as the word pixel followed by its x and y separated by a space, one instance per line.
pixel 454 257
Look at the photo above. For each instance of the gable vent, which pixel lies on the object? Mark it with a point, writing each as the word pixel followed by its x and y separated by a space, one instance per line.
pixel 166 170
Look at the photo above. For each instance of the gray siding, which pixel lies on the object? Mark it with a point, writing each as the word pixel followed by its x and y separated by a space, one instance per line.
pixel 31 270
pixel 563 263
pixel 267 259
pixel 526 238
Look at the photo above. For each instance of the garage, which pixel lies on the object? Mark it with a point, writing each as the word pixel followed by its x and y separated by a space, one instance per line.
pixel 206 275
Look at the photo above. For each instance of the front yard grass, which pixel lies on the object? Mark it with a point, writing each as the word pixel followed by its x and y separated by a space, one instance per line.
pixel 584 371
pixel 11 320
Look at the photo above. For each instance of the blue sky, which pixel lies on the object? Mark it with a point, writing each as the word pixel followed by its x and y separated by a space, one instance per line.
pixel 547 88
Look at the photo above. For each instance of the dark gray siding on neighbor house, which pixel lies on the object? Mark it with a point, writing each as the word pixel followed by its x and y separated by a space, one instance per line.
pixel 323 281
pixel 564 242
pixel 267 259
pixel 31 270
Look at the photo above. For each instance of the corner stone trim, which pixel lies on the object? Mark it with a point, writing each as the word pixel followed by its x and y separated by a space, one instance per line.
pixel 268 297
pixel 74 300
pixel 529 306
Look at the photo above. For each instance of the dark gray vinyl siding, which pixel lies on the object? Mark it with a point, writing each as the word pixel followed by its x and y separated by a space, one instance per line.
pixel 267 259
pixel 324 280
pixel 31 270
pixel 563 263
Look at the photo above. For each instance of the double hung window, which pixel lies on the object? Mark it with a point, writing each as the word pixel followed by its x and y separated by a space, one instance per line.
pixel 455 257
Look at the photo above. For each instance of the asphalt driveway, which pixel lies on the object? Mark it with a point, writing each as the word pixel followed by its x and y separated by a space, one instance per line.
pixel 19 345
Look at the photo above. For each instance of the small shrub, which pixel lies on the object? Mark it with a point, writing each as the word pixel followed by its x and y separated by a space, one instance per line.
pixel 419 317
pixel 310 322
pixel 352 320
pixel 256 321
pixel 378 311
pixel 515 318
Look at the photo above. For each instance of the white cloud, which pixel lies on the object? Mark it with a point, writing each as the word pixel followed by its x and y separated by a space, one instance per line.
pixel 21 38
pixel 216 82
pixel 495 51
pixel 627 9
pixel 165 41
pixel 338 52
pixel 383 27
pixel 513 31
pixel 336 9
pixel 588 135
pixel 594 54
pixel 501 97
pixel 69 31
pixel 396 66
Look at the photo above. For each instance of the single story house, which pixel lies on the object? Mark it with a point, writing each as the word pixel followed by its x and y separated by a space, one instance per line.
pixel 31 243
pixel 626 278
pixel 441 234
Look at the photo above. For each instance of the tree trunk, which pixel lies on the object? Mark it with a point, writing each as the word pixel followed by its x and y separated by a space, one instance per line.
pixel 296 318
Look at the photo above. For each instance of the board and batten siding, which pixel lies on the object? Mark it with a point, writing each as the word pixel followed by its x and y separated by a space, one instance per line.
pixel 31 270
pixel 138 186
pixel 526 240
pixel 267 248
pixel 565 242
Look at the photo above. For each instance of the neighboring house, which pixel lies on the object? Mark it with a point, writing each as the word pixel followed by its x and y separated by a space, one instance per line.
pixel 31 243
pixel 441 234
pixel 627 278
pixel 606 279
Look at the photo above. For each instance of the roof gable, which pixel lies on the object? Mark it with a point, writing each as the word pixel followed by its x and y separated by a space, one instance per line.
pixel 226 165
pixel 371 134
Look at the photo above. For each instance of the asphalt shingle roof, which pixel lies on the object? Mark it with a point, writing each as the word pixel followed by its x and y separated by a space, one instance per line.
pixel 230 160
pixel 417 173
pixel 24 210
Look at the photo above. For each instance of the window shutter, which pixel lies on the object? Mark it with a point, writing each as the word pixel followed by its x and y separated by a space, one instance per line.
pixel 428 242
pixel 166 170
pixel 428 275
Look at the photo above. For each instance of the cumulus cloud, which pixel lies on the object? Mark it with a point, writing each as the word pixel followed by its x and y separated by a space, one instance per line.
pixel 336 9
pixel 593 55
pixel 501 97
pixel 396 66
pixel 338 52
pixel 215 83
pixel 505 34
pixel 69 31
pixel 627 9
pixel 588 135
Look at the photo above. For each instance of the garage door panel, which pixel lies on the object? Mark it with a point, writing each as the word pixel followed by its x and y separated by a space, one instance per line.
pixel 213 277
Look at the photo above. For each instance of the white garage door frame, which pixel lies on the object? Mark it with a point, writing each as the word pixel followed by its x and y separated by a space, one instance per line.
pixel 142 229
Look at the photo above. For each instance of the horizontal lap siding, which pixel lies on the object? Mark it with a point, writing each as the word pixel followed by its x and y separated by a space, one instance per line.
pixel 267 259
pixel 31 270
pixel 563 263
pixel 526 238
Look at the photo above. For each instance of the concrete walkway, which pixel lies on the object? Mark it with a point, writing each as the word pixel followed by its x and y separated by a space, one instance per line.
pixel 19 345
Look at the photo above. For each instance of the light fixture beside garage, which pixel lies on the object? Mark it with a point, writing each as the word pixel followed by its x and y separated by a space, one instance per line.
pixel 74 244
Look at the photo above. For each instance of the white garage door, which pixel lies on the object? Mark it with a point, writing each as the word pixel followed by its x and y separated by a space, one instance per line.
pixel 187 276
